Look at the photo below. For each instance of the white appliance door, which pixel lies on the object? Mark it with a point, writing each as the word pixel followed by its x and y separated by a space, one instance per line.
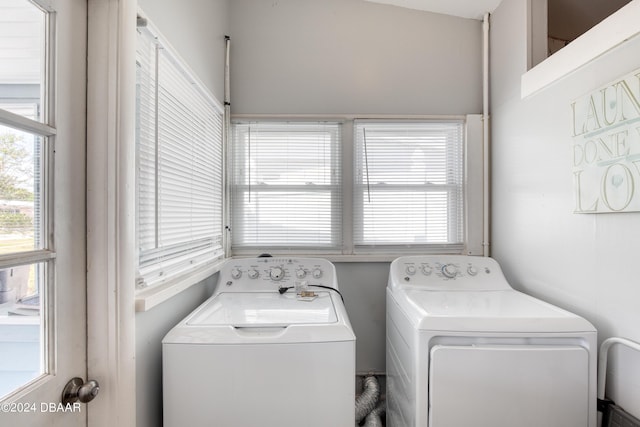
pixel 508 385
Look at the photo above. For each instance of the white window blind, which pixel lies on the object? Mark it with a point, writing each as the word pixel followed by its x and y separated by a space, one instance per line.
pixel 408 185
pixel 179 166
pixel 286 186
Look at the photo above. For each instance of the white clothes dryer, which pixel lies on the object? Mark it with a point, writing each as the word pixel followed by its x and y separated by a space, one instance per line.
pixel 272 347
pixel 465 349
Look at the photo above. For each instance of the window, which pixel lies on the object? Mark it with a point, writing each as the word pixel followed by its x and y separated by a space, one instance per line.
pixel 408 185
pixel 179 166
pixel 287 186
pixel 26 194
pixel 405 186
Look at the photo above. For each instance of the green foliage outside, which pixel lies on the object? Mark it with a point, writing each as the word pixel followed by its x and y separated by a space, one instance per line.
pixel 15 222
pixel 16 169
pixel 16 175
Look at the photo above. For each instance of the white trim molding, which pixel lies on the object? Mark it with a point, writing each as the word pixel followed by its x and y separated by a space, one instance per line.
pixel 111 211
pixel 150 297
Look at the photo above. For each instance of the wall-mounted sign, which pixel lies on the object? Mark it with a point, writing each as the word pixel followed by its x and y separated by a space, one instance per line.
pixel 606 147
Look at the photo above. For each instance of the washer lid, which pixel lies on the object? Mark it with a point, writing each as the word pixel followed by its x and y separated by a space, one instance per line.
pixel 264 309
pixel 498 311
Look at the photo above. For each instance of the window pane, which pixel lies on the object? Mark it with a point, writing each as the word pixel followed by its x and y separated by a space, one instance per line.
pixel 422 220
pixel 146 143
pixel 287 185
pixel 286 219
pixel 189 160
pixel 20 194
pixel 21 58
pixel 21 329
pixel 179 165
pixel 22 287
pixel 409 180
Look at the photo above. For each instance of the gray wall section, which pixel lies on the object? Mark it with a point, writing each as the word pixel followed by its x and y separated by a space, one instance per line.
pixel 315 57
pixel 363 286
pixel 151 327
pixel 195 29
pixel 352 56
pixel 583 262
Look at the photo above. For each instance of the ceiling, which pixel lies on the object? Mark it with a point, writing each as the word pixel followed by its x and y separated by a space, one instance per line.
pixel 474 9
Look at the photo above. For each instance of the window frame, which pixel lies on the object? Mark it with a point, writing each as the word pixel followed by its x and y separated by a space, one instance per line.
pixel 474 240
pixel 43 257
pixel 455 228
pixel 45 129
pixel 333 188
pixel 160 273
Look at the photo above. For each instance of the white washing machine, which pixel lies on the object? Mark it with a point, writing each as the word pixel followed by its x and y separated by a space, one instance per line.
pixel 465 349
pixel 260 352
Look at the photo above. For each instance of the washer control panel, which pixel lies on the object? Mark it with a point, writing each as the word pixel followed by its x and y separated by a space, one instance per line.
pixel 269 273
pixel 447 272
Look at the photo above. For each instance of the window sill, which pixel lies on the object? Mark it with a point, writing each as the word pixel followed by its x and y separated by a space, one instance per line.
pixel 341 258
pixel 152 296
pixel 611 32
pixel 334 258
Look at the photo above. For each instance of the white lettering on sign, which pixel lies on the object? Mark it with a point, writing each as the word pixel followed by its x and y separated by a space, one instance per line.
pixel 606 147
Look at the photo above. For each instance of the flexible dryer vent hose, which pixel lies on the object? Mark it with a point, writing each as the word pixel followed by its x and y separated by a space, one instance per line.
pixel 366 402
pixel 374 419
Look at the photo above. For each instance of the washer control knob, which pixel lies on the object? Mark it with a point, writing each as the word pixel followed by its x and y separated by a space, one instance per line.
pixel 411 270
pixel 276 273
pixel 426 270
pixel 253 274
pixel 236 273
pixel 449 270
pixel 301 273
pixel 316 273
pixel 472 271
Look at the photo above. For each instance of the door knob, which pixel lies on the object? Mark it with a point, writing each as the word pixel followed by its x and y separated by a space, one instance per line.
pixel 78 390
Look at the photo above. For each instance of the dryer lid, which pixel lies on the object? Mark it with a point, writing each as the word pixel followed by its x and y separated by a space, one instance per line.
pixel 498 311
pixel 484 304
pixel 264 309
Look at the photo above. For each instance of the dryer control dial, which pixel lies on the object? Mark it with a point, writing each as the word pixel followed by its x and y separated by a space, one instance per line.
pixel 472 271
pixel 276 273
pixel 316 273
pixel 449 270
pixel 253 274
pixel 426 270
pixel 411 270
pixel 301 273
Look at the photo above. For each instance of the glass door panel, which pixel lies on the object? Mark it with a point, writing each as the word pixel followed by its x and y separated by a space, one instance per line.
pixel 23 283
pixel 22 337
pixel 22 56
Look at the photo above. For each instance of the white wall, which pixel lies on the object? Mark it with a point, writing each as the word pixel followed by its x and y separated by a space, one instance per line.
pixel 583 262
